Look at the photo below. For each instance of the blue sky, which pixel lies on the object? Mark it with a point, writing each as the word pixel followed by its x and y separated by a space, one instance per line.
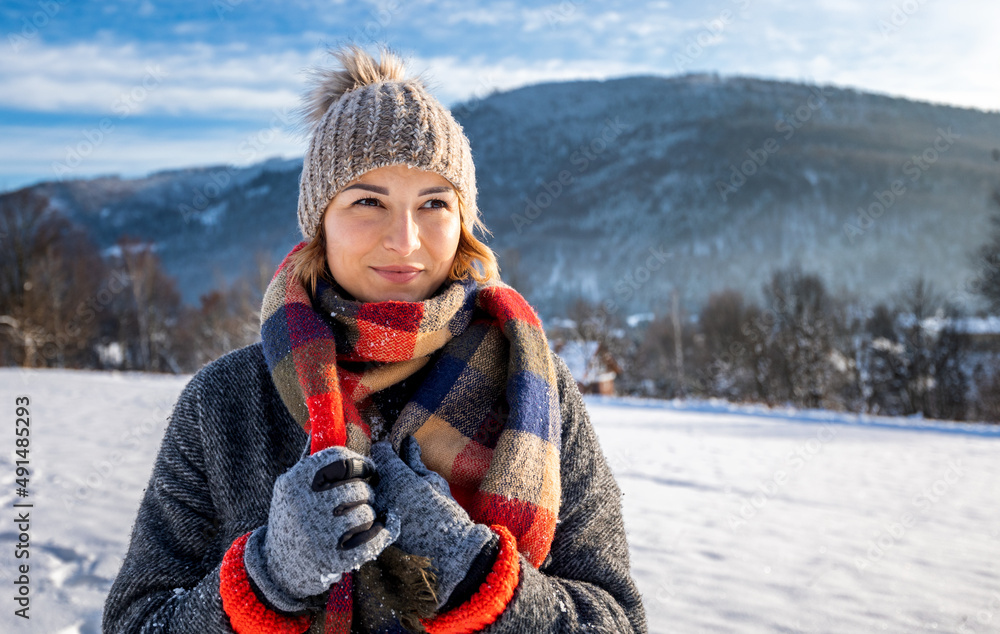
pixel 131 87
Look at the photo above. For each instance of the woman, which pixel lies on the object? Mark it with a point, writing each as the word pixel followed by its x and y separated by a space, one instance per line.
pixel 402 451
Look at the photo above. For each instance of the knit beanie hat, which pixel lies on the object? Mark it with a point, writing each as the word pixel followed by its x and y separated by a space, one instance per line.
pixel 369 115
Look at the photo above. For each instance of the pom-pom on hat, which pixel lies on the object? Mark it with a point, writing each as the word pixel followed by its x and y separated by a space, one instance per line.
pixel 367 115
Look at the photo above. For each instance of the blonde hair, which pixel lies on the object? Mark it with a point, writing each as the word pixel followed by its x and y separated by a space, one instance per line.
pixel 309 263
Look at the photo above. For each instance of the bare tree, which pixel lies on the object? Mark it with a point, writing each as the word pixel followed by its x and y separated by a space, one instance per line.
pixel 49 269
pixel 660 353
pixel 726 361
pixel 155 307
pixel 26 220
pixel 801 341
pixel 987 258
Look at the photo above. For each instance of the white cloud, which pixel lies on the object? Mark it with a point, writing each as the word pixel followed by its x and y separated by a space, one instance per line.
pixel 558 15
pixel 188 79
pixel 456 79
pixel 941 53
pixel 493 16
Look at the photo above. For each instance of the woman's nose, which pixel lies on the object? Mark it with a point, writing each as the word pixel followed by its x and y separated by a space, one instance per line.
pixel 403 234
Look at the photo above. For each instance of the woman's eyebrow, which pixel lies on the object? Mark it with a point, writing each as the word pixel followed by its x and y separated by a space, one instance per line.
pixel 435 190
pixel 372 188
pixel 385 190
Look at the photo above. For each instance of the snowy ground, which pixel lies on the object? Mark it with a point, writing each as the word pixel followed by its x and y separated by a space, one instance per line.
pixel 740 519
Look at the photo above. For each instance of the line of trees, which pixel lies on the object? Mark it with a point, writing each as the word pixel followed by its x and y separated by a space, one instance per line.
pixel 807 348
pixel 65 304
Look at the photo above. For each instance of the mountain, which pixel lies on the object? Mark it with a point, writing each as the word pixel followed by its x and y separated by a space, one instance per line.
pixel 626 189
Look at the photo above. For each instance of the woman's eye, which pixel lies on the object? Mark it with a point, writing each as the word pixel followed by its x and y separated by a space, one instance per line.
pixel 434 203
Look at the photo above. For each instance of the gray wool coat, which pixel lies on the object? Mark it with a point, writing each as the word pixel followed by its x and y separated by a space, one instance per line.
pixel 230 436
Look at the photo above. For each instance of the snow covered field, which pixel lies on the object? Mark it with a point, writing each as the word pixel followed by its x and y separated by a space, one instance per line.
pixel 740 519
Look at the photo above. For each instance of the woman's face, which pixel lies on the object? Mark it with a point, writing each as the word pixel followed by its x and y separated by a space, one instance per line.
pixel 392 234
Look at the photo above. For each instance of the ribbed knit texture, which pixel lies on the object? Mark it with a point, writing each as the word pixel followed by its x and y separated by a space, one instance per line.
pixel 230 436
pixel 489 602
pixel 247 614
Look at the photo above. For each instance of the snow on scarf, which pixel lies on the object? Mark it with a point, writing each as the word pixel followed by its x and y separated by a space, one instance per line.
pixel 486 415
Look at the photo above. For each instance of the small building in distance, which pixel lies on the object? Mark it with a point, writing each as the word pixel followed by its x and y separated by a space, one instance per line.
pixel 591 365
pixel 981 334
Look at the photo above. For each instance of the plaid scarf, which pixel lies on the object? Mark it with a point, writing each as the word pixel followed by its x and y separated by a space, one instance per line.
pixel 486 415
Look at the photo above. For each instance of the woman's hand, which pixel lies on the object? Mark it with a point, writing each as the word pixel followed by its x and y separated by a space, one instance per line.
pixel 321 525
pixel 432 523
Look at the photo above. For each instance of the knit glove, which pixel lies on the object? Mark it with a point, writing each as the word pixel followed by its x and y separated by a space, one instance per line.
pixel 321 524
pixel 432 523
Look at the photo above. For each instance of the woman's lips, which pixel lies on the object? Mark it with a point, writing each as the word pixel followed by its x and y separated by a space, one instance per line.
pixel 399 275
